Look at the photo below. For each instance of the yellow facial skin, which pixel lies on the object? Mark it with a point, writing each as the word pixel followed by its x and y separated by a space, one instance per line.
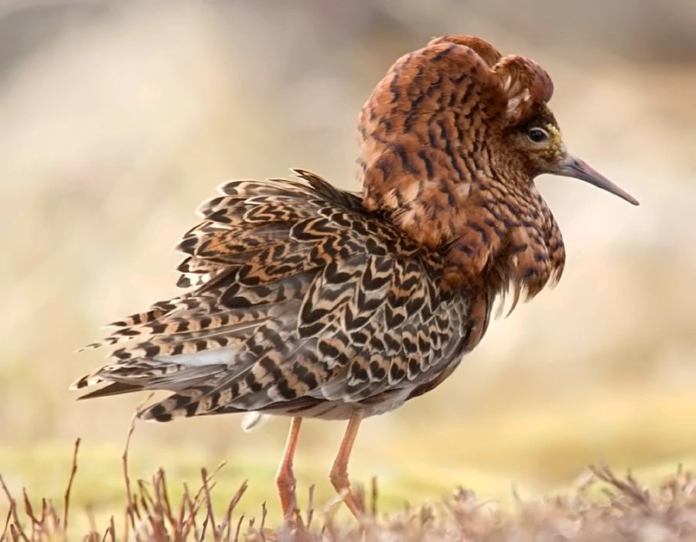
pixel 555 149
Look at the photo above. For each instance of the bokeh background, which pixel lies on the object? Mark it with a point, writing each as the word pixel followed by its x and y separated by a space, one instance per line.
pixel 118 118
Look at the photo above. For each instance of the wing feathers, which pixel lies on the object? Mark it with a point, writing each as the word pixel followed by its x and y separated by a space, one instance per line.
pixel 301 296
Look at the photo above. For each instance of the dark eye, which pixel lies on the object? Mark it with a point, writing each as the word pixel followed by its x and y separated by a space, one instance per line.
pixel 538 135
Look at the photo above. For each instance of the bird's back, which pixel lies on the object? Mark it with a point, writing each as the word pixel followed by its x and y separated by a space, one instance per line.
pixel 301 302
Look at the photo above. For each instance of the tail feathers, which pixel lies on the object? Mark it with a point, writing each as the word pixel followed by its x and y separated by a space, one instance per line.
pixel 174 406
pixel 147 375
pixel 92 379
pixel 188 321
pixel 115 388
pixel 133 373
pixel 252 388
pixel 126 327
pixel 228 344
pixel 156 311
pixel 218 339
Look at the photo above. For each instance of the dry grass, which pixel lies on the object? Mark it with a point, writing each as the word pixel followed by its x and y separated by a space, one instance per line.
pixel 603 507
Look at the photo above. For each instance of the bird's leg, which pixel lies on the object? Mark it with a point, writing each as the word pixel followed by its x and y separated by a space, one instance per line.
pixel 285 479
pixel 339 471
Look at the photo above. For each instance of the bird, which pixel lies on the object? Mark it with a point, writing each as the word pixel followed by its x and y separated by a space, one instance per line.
pixel 309 301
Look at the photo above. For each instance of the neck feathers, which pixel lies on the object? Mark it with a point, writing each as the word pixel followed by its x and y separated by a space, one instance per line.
pixel 427 135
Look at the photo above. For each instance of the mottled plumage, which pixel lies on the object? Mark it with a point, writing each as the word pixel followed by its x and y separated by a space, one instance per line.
pixel 309 301
pixel 307 305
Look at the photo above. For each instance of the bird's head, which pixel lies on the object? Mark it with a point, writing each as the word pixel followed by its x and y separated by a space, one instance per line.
pixel 540 147
pixel 451 141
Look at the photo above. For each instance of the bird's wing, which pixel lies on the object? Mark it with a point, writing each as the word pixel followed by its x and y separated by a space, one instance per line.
pixel 299 293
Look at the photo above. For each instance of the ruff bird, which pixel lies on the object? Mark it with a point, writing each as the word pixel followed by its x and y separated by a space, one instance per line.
pixel 307 301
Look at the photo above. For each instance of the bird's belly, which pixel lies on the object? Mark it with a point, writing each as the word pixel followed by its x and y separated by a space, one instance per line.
pixel 343 410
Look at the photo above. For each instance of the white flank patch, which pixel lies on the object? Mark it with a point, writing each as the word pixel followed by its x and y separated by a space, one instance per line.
pixel 252 420
pixel 219 356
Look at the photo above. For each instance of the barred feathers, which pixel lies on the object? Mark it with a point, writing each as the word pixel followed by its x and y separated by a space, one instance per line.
pixel 303 302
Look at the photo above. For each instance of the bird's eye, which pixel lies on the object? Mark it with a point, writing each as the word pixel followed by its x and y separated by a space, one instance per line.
pixel 538 135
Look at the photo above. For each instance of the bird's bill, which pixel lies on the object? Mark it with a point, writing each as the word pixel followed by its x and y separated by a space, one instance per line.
pixel 572 166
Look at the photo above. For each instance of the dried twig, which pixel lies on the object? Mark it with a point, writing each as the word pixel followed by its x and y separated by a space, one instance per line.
pixel 262 527
pixel 7 524
pixel 28 510
pixel 162 496
pixel 374 495
pixel 208 501
pixel 15 528
pixel 131 508
pixel 66 497
pixel 310 506
pixel 226 523
pixel 239 528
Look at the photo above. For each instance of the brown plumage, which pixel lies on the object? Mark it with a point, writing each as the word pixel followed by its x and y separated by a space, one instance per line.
pixel 309 301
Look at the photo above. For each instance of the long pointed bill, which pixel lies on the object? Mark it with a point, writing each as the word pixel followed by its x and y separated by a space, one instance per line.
pixel 572 166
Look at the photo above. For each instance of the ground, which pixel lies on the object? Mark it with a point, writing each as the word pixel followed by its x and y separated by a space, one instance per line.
pixel 218 504
pixel 603 507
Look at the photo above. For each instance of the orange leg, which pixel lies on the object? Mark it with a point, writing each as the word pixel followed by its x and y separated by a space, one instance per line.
pixel 339 471
pixel 285 479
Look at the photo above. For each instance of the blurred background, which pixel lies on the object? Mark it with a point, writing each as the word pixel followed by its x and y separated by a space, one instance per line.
pixel 118 118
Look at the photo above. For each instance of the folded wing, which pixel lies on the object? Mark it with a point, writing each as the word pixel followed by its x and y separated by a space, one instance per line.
pixel 298 296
